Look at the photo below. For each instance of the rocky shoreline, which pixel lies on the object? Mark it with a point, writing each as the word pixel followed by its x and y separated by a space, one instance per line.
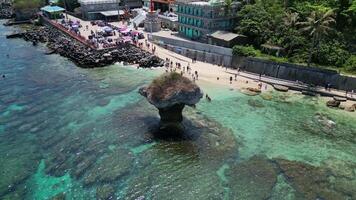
pixel 6 11
pixel 86 57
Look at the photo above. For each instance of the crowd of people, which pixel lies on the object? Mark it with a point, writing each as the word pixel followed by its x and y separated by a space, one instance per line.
pixel 105 35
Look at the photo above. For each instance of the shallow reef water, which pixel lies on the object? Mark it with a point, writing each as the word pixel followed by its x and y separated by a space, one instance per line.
pixel 72 133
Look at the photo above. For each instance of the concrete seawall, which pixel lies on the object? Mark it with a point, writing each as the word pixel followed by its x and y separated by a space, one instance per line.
pixel 292 72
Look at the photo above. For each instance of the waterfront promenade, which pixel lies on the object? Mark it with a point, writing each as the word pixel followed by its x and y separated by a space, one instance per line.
pixel 210 72
pixel 221 76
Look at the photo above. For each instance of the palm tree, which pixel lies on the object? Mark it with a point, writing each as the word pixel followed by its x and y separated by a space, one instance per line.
pixel 317 25
pixel 291 19
pixel 228 6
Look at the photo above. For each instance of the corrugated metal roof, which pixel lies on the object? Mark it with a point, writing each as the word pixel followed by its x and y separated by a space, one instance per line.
pixel 84 2
pixel 52 9
pixel 224 35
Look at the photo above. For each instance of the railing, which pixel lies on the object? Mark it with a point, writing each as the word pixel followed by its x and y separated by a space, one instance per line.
pixel 66 31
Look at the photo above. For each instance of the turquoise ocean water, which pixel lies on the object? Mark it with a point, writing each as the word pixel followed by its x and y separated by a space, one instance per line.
pixel 72 133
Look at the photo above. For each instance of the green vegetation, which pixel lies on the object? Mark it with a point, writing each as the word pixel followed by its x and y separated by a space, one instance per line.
pixel 317 32
pixel 167 83
pixel 350 64
pixel 245 51
pixel 69 4
pixel 24 4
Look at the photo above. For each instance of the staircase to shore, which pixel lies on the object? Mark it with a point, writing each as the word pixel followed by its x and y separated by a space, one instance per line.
pixel 138 19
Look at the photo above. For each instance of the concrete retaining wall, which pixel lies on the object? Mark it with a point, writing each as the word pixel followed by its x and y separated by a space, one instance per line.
pixel 286 71
pixel 195 50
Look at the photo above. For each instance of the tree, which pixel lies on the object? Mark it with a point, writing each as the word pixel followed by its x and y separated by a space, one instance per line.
pixel 255 23
pixel 291 19
pixel 69 4
pixel 27 4
pixel 228 5
pixel 317 25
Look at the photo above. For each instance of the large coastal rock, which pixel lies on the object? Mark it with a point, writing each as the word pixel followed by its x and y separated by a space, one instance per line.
pixel 333 103
pixel 169 93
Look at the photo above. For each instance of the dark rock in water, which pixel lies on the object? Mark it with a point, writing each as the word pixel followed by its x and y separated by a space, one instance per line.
pixel 105 192
pixel 18 194
pixel 252 179
pixel 82 164
pixel 17 165
pixel 116 165
pixel 255 103
pixel 103 102
pixel 251 91
pixel 171 118
pixel 309 181
pixel 60 196
pixel 333 103
pixel 169 93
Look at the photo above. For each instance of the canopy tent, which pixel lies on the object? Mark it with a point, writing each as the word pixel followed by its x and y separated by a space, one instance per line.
pixel 127 39
pixel 107 29
pixel 75 26
pixel 52 12
pixel 112 13
pixel 125 31
pixel 122 29
pixel 52 9
pixel 135 33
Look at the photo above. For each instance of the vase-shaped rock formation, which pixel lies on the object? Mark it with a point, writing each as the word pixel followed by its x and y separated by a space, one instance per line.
pixel 169 93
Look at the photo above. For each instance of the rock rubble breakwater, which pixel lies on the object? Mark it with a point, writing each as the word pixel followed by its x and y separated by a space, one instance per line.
pixel 84 56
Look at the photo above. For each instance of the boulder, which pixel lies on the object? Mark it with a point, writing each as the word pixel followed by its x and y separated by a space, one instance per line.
pixel 280 88
pixel 251 91
pixel 252 179
pixel 336 98
pixel 310 182
pixel 105 192
pixel 333 103
pixel 169 93
pixel 59 196
pixel 114 166
pixel 350 108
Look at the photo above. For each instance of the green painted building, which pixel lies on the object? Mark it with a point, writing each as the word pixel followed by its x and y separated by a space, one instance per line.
pixel 198 19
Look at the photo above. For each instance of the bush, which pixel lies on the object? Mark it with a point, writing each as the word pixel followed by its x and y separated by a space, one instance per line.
pixel 331 53
pixel 350 64
pixel 245 51
pixel 24 4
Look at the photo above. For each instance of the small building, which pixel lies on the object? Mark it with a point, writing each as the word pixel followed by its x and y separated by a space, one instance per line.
pixel 162 5
pixel 273 50
pixel 226 39
pixel 106 9
pixel 169 20
pixel 198 19
pixel 52 12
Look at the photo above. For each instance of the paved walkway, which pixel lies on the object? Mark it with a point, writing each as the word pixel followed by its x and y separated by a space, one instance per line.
pixel 211 72
pixel 295 86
